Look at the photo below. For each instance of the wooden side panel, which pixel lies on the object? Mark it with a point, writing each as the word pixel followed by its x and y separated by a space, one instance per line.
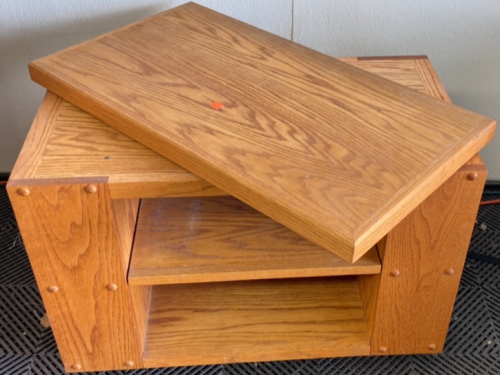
pixel 141 299
pixel 125 216
pixel 408 306
pixel 73 247
pixel 125 213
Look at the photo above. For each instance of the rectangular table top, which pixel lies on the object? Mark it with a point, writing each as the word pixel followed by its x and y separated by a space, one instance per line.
pixel 337 154
pixel 67 143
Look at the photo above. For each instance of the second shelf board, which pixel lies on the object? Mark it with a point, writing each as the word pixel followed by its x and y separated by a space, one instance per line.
pixel 250 321
pixel 192 240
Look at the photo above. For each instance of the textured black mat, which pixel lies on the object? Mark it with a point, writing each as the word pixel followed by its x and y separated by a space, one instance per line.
pixel 472 345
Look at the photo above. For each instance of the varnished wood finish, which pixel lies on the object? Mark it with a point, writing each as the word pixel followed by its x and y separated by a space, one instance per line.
pixel 125 219
pixel 36 141
pixel 410 313
pixel 190 240
pixel 73 247
pixel 288 140
pixel 80 145
pixel 425 243
pixel 249 321
pixel 66 141
pixel 431 80
pixel 125 216
pixel 68 146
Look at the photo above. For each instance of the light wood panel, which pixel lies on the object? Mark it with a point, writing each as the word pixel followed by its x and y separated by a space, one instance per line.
pixel 190 240
pixel 255 321
pixel 36 141
pixel 71 142
pixel 287 140
pixel 71 240
pixel 80 145
pixel 125 218
pixel 410 313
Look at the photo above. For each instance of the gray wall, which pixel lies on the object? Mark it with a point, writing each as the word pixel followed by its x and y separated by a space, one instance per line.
pixel 462 39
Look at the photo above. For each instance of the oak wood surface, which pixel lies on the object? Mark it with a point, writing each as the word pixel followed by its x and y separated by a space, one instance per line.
pixel 300 135
pixel 190 240
pixel 81 142
pixel 73 246
pixel 35 144
pixel 125 217
pixel 410 313
pixel 68 142
pixel 81 145
pixel 261 320
pixel 125 213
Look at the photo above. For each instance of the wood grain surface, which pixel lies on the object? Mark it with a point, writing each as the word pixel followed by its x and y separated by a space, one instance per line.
pixel 125 212
pixel 249 321
pixel 190 240
pixel 72 246
pixel 35 144
pixel 79 145
pixel 410 313
pixel 67 142
pixel 338 155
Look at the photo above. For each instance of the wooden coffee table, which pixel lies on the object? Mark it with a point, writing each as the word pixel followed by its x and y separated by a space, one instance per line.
pixel 141 263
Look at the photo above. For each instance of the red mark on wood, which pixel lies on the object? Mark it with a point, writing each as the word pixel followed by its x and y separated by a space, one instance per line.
pixel 217 105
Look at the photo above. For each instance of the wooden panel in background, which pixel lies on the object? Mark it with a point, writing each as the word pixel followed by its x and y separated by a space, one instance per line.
pixel 247 321
pixel 287 141
pixel 72 245
pixel 409 305
pixel 190 240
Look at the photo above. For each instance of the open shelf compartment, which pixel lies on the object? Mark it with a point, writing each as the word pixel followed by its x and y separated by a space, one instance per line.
pixel 259 320
pixel 192 240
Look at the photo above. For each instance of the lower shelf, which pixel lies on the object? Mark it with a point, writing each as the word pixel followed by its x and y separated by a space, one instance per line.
pixel 249 321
